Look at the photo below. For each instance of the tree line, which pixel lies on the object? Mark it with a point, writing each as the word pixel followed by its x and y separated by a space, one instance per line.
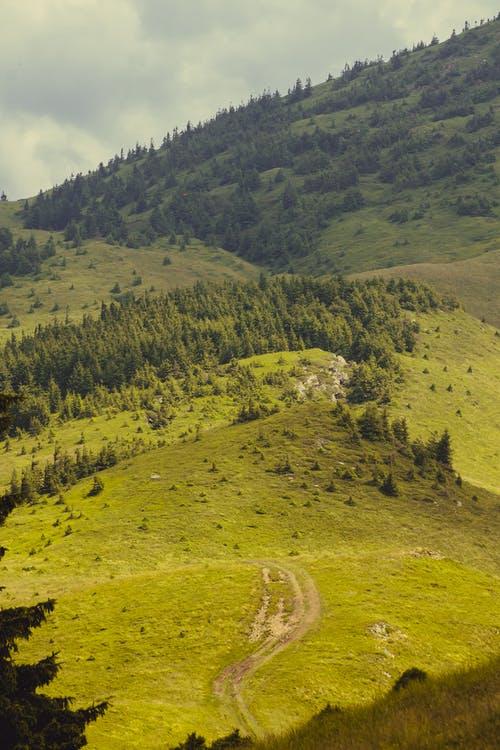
pixel 213 180
pixel 135 343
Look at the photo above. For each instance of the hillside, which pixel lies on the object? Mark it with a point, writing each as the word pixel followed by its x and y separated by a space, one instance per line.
pixel 158 577
pixel 452 381
pixel 246 525
pixel 256 468
pixel 393 163
pixel 256 510
pixel 459 710
pixel 476 281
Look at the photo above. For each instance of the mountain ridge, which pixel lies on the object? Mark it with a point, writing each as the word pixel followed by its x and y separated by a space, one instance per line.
pixel 392 163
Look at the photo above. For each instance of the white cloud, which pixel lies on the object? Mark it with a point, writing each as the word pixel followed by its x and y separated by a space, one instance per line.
pixel 40 152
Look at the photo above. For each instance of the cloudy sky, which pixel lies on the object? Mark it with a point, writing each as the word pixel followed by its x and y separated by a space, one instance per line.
pixel 80 79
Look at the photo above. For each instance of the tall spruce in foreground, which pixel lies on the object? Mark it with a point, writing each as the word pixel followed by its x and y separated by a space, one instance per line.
pixel 30 720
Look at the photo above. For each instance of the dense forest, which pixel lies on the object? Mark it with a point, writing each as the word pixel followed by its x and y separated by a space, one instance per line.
pixel 72 368
pixel 264 179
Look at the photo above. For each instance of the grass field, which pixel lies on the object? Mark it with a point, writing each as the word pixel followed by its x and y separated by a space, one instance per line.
pixel 250 573
pixel 457 710
pixel 452 381
pixel 158 580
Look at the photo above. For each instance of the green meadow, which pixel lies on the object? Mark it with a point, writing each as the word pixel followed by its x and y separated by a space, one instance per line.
pixel 451 381
pixel 158 579
pixel 75 281
pixel 251 561
pixel 459 709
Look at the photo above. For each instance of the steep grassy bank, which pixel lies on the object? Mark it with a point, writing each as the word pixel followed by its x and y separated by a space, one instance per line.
pixel 459 710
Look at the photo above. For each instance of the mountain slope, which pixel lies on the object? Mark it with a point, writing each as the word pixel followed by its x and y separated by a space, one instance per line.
pixel 476 281
pixel 159 576
pixel 390 164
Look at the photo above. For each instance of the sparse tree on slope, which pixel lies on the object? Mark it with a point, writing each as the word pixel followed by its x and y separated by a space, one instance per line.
pixel 443 449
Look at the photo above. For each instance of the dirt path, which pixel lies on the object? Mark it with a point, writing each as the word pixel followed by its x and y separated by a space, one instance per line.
pixel 290 605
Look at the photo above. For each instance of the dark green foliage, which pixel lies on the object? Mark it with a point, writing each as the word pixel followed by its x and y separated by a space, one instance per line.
pixel 389 486
pixel 252 411
pixel 209 325
pixel 368 382
pixel 443 449
pixel 474 205
pixel 371 424
pixel 436 453
pixel 29 719
pixel 21 257
pixel 232 740
pixel 7 401
pixel 97 487
pixel 192 742
pixel 64 470
pixel 410 675
pixel 400 431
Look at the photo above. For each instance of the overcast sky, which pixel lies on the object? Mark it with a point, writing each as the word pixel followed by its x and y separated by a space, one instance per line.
pixel 80 79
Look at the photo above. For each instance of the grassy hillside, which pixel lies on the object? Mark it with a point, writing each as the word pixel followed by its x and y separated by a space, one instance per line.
pixel 452 381
pixel 75 281
pixel 160 578
pixel 255 551
pixel 453 349
pixel 459 710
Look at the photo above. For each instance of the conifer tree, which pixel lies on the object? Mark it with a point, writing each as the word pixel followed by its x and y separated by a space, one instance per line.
pixel 443 449
pixel 389 486
pixel 29 719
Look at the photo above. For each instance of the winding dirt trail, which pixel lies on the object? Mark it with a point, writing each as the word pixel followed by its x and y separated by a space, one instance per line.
pixel 279 622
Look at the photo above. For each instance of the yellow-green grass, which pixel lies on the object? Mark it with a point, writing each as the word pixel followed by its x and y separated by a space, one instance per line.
pixel 89 433
pixel 152 643
pixel 383 612
pixel 74 284
pixel 312 360
pixel 460 709
pixel 476 281
pixel 456 350
pixel 195 414
pixel 180 553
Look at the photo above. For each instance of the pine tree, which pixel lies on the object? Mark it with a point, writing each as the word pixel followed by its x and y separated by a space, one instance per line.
pixel 29 719
pixel 443 449
pixel 389 486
